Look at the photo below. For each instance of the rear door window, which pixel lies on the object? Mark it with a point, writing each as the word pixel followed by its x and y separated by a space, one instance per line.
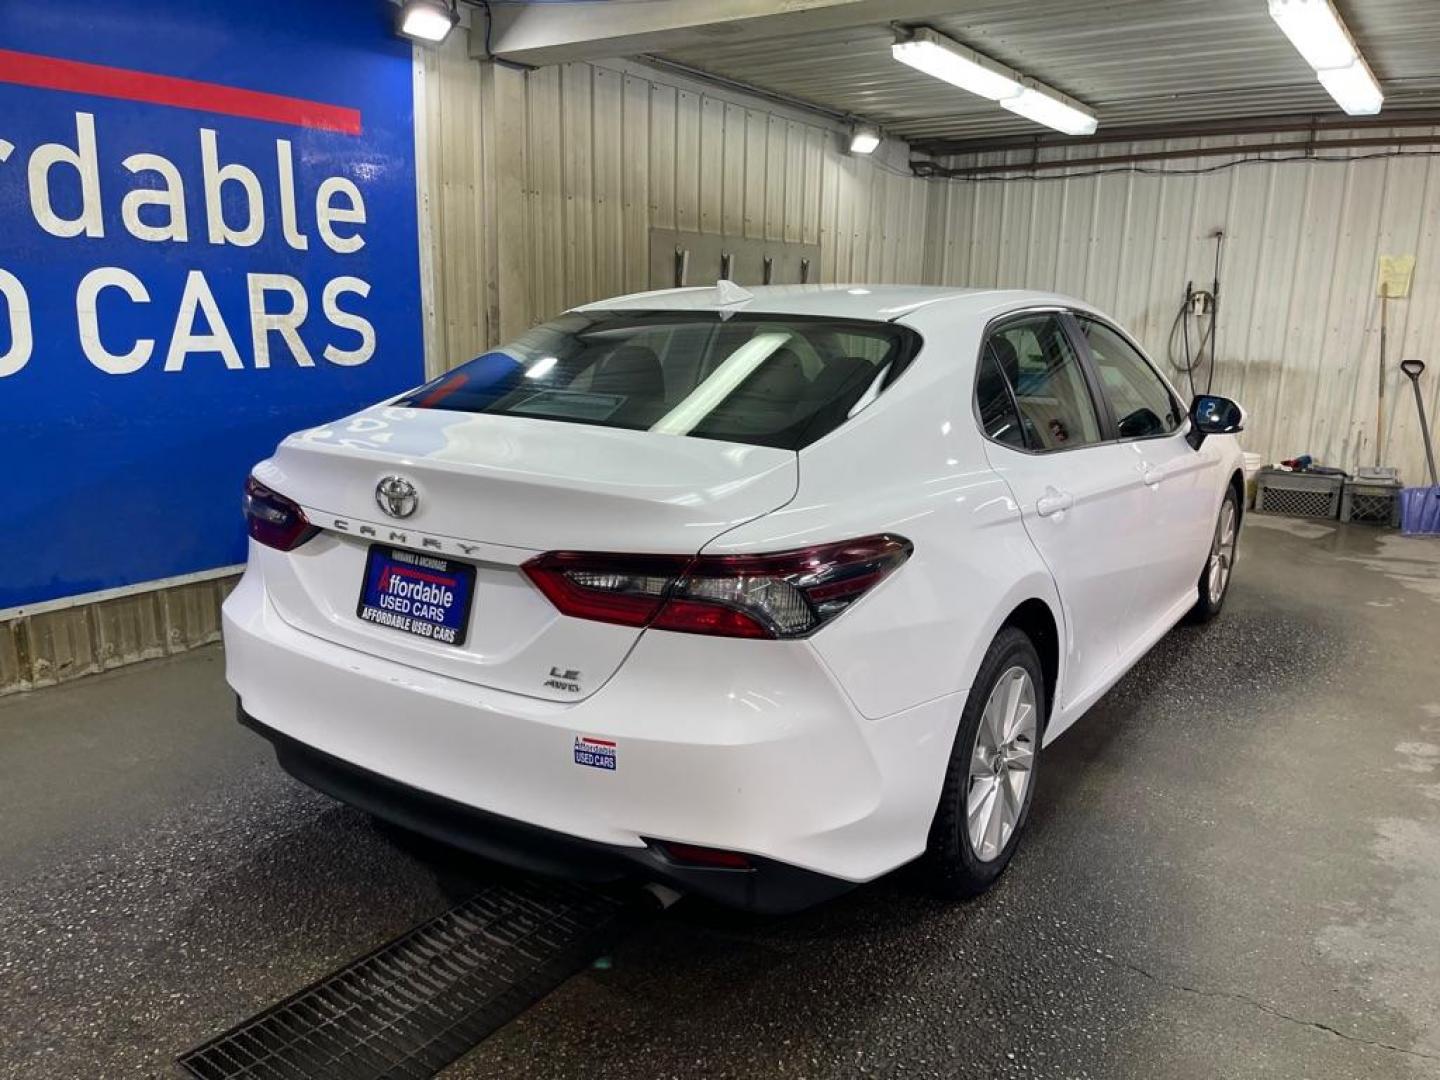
pixel 1043 371
pixel 769 380
pixel 995 404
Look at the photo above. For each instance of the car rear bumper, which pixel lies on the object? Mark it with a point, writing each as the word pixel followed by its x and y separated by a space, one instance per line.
pixel 742 746
pixel 767 886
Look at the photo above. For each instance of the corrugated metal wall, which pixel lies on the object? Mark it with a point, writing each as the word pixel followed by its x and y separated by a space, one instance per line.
pixel 57 646
pixel 579 161
pixel 1299 322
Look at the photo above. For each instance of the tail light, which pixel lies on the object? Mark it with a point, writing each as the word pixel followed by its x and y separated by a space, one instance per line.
pixel 785 595
pixel 274 520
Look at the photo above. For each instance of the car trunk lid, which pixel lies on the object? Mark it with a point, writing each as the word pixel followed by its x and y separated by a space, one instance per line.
pixel 492 492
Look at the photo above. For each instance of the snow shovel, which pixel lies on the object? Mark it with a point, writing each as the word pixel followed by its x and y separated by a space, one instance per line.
pixel 1420 507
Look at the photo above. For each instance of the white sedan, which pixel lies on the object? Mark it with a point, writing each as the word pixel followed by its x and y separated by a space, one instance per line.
pixel 757 594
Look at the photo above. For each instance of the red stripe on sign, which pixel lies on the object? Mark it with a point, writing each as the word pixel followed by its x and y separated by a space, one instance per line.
pixel 51 73
pixel 596 742
pixel 434 579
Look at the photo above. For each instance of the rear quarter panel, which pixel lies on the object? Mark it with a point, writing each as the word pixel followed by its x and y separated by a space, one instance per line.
pixel 912 464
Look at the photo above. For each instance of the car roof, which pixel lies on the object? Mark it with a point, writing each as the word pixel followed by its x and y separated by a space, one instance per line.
pixel 870 302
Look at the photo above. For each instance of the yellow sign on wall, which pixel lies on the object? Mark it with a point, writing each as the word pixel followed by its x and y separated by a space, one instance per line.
pixel 1394 277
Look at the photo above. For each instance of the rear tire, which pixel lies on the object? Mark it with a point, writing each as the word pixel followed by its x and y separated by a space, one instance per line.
pixel 1220 563
pixel 990 782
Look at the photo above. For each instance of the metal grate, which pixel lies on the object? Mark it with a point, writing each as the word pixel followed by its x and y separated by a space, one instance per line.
pixel 415 1005
pixel 1300 503
pixel 1371 508
pixel 1371 503
pixel 1315 495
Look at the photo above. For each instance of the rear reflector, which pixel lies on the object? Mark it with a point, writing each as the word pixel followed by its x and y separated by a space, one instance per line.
pixel 785 595
pixel 274 520
pixel 710 858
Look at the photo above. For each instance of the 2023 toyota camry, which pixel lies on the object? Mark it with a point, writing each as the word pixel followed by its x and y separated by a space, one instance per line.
pixel 759 593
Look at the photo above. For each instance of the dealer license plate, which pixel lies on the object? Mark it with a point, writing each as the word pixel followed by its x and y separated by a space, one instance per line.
pixel 423 595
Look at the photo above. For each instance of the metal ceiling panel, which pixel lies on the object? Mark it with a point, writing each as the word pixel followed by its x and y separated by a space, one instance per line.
pixel 1136 62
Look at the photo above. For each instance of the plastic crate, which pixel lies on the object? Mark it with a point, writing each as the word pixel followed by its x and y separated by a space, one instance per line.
pixel 1298 494
pixel 1372 501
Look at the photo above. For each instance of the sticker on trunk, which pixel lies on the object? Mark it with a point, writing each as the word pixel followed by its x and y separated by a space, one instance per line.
pixel 596 753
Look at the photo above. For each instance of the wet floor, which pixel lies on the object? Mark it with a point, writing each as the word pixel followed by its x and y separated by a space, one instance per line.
pixel 1232 870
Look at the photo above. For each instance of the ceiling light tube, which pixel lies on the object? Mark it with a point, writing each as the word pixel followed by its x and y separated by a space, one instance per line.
pixel 864 138
pixel 936 55
pixel 1054 110
pixel 1353 87
pixel 1315 29
pixel 429 21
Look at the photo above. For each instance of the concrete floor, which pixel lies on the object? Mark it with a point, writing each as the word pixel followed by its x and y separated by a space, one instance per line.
pixel 1232 870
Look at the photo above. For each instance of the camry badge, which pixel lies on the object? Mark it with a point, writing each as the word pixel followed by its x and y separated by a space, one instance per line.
pixel 396 496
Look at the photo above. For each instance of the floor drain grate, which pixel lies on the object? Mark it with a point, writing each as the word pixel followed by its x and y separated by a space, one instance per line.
pixel 415 1005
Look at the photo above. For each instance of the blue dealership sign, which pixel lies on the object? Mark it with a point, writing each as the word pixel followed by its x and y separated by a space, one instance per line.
pixel 208 239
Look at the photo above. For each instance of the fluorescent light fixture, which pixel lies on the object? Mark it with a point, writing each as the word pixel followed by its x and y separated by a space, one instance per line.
pixel 864 139
pixel 1353 87
pixel 1315 29
pixel 427 20
pixel 938 56
pixel 1054 110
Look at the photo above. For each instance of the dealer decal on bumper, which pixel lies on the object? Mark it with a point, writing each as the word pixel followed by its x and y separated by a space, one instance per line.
pixel 597 753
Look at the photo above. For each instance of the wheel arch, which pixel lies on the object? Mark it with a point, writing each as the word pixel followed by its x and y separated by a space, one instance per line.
pixel 1237 485
pixel 1036 621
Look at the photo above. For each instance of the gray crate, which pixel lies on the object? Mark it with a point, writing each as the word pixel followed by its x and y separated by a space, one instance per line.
pixel 1313 495
pixel 1371 502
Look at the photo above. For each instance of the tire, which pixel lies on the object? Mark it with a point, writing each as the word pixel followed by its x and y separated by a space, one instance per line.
pixel 1220 563
pixel 954 863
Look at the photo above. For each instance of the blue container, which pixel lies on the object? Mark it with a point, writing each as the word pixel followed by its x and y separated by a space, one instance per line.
pixel 1420 510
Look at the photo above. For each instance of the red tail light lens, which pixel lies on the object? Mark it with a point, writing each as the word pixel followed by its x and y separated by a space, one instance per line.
pixel 786 595
pixel 274 520
pixel 624 589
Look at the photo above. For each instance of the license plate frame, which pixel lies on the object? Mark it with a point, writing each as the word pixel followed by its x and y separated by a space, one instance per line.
pixel 431 584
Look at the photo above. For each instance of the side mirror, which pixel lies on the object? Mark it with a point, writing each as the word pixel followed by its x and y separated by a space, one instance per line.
pixel 1213 415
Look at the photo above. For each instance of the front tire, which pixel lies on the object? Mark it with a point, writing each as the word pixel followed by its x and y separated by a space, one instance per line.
pixel 1215 578
pixel 985 801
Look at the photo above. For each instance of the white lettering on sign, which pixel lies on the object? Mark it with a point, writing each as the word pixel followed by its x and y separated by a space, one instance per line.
pixel 83 160
pixel 197 298
pixel 216 177
pixel 283 161
pixel 89 320
pixel 286 323
pixel 67 201
pixel 327 213
pixel 17 303
pixel 171 197
pixel 348 320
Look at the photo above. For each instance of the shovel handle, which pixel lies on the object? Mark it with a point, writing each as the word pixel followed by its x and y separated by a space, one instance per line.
pixel 1413 368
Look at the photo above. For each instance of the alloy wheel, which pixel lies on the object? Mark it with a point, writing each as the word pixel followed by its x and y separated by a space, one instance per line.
pixel 1001 764
pixel 1222 552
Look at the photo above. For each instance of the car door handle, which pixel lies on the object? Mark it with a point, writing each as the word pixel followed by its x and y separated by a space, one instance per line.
pixel 1152 474
pixel 1052 502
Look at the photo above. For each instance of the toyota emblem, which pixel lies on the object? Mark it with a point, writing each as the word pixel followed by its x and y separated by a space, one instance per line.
pixel 396 496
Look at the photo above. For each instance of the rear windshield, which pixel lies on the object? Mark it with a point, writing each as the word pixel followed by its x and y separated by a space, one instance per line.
pixel 769 380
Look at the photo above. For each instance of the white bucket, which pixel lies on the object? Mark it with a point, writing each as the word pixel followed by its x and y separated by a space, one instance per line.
pixel 1252 465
